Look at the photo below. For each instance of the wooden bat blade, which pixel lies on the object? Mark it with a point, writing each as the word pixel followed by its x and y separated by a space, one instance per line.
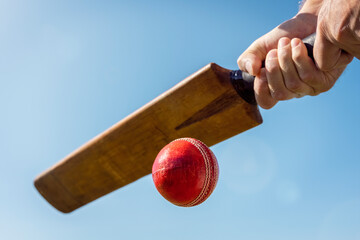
pixel 204 106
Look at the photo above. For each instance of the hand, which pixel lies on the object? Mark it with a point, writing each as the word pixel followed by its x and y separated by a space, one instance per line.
pixel 288 72
pixel 338 30
pixel 300 26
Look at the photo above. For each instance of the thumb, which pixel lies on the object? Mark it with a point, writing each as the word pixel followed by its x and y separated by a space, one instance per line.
pixel 251 60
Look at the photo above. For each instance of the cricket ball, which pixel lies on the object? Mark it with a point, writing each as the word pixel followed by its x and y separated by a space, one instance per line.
pixel 185 172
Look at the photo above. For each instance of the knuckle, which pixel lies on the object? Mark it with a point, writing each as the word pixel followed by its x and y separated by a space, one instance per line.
pixel 280 95
pixel 306 77
pixel 294 85
pixel 272 61
pixel 296 56
pixel 284 53
pixel 272 66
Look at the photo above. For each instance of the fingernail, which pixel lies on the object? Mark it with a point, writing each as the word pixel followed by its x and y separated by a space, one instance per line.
pixel 283 42
pixel 248 66
pixel 295 42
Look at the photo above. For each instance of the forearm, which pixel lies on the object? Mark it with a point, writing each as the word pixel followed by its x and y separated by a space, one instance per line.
pixel 307 17
pixel 310 6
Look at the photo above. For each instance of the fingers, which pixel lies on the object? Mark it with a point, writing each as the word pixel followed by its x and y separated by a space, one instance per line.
pixel 292 81
pixel 289 73
pixel 262 92
pixel 275 77
pixel 281 70
pixel 305 67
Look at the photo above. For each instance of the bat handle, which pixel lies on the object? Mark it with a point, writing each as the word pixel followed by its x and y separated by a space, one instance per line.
pixel 246 85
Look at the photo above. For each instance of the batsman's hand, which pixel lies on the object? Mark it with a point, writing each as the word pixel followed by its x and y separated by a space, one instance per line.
pixel 289 72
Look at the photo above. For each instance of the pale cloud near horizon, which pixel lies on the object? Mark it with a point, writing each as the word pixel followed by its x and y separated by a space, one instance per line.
pixel 247 166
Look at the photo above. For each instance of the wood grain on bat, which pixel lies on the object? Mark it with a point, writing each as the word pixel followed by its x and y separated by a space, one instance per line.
pixel 218 105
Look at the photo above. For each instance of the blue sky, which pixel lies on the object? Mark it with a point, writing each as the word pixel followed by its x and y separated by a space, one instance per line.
pixel 71 69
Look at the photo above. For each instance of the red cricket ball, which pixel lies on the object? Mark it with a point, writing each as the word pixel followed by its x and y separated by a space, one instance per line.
pixel 185 172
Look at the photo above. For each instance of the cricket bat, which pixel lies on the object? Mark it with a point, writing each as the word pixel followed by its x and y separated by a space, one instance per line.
pixel 211 105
